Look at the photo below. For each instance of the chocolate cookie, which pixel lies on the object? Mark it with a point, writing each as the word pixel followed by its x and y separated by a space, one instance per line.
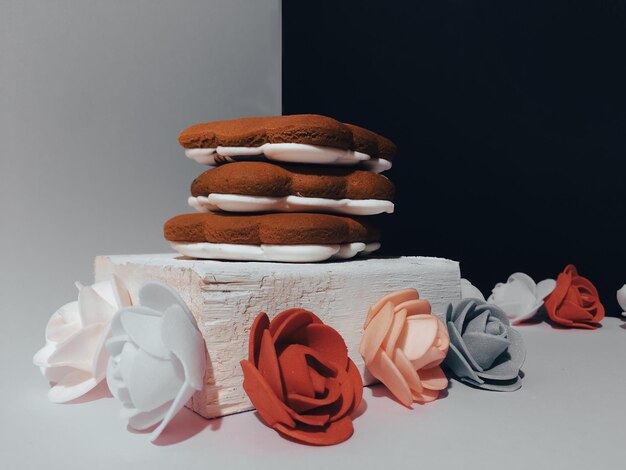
pixel 296 237
pixel 371 143
pixel 266 187
pixel 302 138
pixel 311 129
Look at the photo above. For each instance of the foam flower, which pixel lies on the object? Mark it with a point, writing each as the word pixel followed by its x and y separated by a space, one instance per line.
pixel 519 297
pixel 621 299
pixel 403 345
pixel 574 302
pixel 158 358
pixel 300 379
pixel 485 351
pixel 74 358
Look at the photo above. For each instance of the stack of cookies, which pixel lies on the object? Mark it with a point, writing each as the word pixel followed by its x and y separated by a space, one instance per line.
pixel 286 188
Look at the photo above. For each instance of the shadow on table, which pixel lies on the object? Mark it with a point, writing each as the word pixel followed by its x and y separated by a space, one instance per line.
pixel 185 425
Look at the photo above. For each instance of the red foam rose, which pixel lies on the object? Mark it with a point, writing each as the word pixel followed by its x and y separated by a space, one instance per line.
pixel 574 301
pixel 300 379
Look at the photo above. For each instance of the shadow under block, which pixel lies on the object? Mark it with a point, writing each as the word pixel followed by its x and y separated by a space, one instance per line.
pixel 225 297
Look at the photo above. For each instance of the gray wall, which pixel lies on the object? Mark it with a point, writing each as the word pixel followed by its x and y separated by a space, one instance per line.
pixel 92 97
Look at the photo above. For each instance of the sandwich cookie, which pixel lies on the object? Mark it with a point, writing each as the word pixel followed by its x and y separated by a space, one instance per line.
pixel 300 138
pixel 287 238
pixel 267 187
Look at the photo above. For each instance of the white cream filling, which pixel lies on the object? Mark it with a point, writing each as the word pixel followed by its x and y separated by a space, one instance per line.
pixel 289 153
pixel 278 253
pixel 241 203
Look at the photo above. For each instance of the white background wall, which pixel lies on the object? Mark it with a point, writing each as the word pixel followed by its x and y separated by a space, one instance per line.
pixel 93 95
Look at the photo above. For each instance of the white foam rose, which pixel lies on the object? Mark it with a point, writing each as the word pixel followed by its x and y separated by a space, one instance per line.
pixel 520 297
pixel 621 299
pixel 74 359
pixel 158 358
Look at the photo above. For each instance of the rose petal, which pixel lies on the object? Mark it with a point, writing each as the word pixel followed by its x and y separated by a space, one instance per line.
pixel 142 420
pixel 79 350
pixel 389 343
pixel 508 364
pixel 469 291
pixel 418 335
pixel 485 348
pixel 457 363
pixel 357 385
pixel 260 324
pixel 302 403
pixel 101 356
pixel 460 312
pixel 310 419
pixel 334 433
pixel 122 297
pixel 318 380
pixel 415 307
pixel 573 312
pixel 184 340
pixel 395 298
pixel 153 381
pixel 408 372
pixel 383 368
pixel 158 296
pixel 328 343
pixel 269 407
pixel 93 308
pixel 477 324
pixel 621 297
pixel 375 333
pixel 295 371
pixel 106 290
pixel 71 386
pixel 268 365
pixel 40 359
pixel 563 283
pixel 290 323
pixel 504 386
pixel 433 379
pixel 184 395
pixel 115 344
pixel 426 396
pixel 457 340
pixel 347 395
pixel 545 288
pixel 433 357
pixel 143 326
pixel 63 323
pixel 518 313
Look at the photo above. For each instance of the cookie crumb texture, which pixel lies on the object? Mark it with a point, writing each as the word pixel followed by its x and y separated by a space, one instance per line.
pixel 271 229
pixel 272 180
pixel 310 129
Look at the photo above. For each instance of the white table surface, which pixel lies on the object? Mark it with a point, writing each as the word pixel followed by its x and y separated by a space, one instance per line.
pixel 570 414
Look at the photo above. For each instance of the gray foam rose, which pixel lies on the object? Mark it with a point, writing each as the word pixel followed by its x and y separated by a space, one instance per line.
pixel 485 351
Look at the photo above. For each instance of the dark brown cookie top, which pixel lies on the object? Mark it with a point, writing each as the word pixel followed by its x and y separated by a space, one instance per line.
pixel 272 180
pixel 311 129
pixel 276 229
pixel 371 143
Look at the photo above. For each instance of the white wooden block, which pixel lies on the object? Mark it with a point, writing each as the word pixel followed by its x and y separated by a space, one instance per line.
pixel 225 298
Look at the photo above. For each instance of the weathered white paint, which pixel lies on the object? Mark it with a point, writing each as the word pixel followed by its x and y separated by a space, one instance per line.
pixel 225 297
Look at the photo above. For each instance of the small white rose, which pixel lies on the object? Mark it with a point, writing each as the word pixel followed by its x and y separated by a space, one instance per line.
pixel 520 298
pixel 621 299
pixel 74 359
pixel 158 358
